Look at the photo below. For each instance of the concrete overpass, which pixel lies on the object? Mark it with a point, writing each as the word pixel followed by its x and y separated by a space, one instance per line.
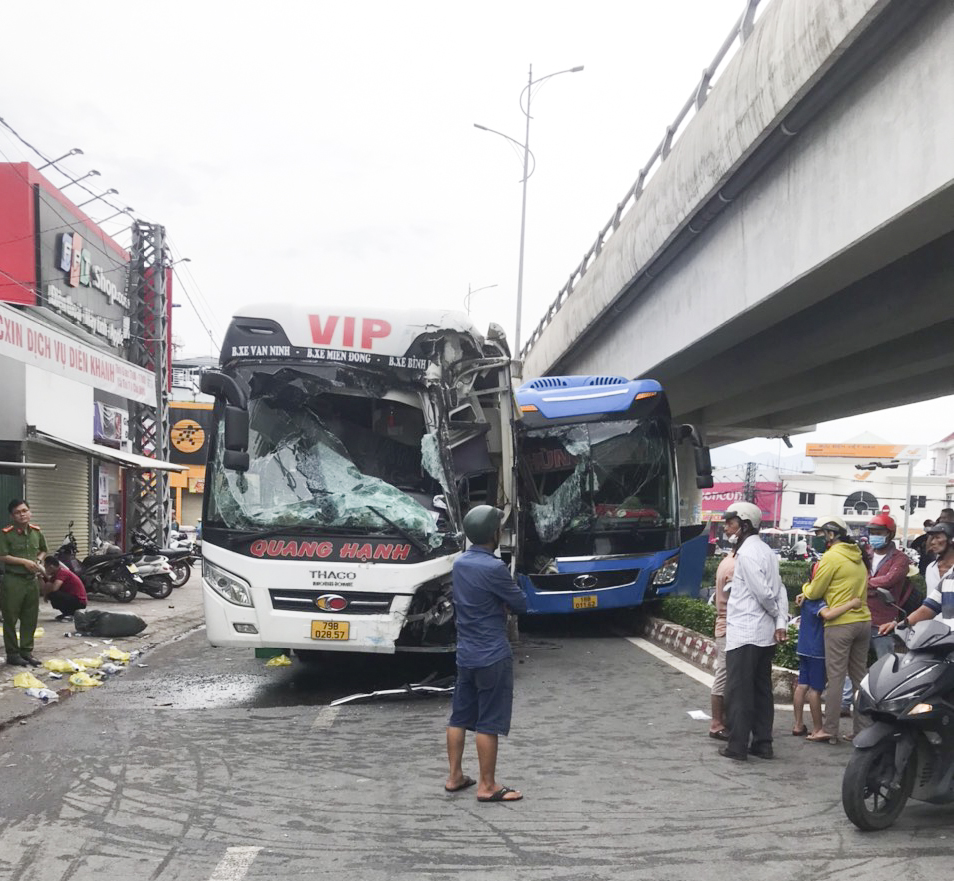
pixel 791 259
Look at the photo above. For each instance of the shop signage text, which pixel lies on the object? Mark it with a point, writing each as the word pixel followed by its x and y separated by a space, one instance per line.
pixel 26 340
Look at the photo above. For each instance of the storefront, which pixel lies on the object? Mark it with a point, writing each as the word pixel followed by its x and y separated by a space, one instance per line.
pixel 190 423
pixel 65 318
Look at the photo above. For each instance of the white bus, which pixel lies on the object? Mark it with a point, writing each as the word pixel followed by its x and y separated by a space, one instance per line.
pixel 346 445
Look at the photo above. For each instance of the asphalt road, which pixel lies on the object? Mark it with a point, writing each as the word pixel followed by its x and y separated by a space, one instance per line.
pixel 208 765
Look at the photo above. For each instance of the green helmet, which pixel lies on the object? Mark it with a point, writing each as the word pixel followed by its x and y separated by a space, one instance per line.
pixel 481 523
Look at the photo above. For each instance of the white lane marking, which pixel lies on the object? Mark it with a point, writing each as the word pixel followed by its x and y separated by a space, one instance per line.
pixel 235 864
pixel 681 665
pixel 325 718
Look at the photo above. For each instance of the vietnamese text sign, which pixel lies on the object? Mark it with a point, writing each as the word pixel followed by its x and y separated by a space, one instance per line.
pixel 905 452
pixel 31 342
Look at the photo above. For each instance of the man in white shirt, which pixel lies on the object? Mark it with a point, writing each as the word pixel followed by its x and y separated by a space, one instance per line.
pixel 801 548
pixel 939 579
pixel 756 620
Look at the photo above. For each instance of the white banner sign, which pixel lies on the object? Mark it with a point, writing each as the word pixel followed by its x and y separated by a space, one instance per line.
pixel 24 339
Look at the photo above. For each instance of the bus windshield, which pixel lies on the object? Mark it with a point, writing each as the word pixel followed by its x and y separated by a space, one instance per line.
pixel 598 478
pixel 329 455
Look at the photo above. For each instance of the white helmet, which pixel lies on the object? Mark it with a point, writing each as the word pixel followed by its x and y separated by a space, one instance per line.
pixel 832 523
pixel 745 511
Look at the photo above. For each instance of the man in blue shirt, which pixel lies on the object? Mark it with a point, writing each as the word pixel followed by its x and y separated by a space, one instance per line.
pixel 483 590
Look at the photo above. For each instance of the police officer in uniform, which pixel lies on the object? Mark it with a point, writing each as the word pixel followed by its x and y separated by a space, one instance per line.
pixel 22 549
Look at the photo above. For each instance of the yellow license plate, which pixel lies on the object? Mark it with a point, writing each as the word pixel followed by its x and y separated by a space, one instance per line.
pixel 330 629
pixel 587 602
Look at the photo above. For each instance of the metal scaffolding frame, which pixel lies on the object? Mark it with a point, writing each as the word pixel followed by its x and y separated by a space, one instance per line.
pixel 148 501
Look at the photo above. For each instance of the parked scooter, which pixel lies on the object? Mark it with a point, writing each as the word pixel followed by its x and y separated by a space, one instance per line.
pixel 909 750
pixel 179 560
pixel 107 574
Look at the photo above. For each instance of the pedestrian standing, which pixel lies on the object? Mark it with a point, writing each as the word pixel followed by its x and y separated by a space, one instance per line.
pixel 756 620
pixel 718 730
pixel 22 548
pixel 888 569
pixel 483 591
pixel 840 576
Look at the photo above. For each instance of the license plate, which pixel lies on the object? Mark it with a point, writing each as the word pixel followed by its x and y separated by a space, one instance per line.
pixel 587 602
pixel 132 568
pixel 330 629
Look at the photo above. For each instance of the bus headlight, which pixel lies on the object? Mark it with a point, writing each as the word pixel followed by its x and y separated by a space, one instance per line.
pixel 226 585
pixel 666 574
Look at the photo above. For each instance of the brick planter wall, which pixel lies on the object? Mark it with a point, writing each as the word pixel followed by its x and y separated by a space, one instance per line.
pixel 701 651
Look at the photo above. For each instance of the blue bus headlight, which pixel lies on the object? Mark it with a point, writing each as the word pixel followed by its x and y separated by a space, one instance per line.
pixel 667 573
pixel 229 587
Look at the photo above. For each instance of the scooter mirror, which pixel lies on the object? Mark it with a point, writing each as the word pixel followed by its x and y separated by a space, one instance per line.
pixel 885 594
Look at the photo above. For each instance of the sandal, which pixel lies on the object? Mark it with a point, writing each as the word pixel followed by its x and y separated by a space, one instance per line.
pixel 800 732
pixel 821 738
pixel 721 734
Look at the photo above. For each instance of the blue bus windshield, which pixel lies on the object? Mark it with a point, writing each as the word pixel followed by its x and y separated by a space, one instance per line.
pixel 599 487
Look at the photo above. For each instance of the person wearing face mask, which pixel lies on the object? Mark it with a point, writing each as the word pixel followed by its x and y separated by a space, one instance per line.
pixel 888 569
pixel 939 579
pixel 841 576
pixel 756 620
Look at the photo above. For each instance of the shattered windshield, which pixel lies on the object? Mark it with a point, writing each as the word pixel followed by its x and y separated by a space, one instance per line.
pixel 323 456
pixel 599 477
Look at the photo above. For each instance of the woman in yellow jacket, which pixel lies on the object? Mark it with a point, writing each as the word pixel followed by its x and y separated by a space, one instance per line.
pixel 840 576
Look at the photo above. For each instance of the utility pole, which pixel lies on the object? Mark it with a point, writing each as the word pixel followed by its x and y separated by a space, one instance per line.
pixel 751 479
pixel 148 506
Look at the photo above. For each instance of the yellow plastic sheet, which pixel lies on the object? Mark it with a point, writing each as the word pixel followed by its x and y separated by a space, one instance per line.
pixel 114 654
pixel 83 679
pixel 279 661
pixel 60 665
pixel 88 662
pixel 27 680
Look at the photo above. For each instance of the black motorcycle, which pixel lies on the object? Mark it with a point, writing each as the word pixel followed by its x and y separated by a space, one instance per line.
pixel 909 750
pixel 113 575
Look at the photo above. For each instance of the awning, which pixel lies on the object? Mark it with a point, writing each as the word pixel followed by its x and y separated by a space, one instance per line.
pixel 120 457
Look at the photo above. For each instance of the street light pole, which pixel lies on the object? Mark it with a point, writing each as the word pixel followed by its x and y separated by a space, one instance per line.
pixel 528 89
pixel 471 293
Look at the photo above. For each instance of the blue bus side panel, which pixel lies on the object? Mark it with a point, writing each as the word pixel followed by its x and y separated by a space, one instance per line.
pixel 692 561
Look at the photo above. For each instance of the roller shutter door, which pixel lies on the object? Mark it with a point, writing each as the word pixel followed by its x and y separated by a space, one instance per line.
pixel 191 509
pixel 59 495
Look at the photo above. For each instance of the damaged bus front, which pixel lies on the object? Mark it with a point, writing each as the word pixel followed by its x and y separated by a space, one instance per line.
pixel 604 522
pixel 345 449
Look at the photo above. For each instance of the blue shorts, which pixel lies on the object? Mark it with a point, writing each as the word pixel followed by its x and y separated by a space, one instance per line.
pixel 811 672
pixel 483 698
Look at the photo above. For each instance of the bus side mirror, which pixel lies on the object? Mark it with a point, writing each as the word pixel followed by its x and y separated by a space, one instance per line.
pixel 235 461
pixel 701 452
pixel 219 385
pixel 703 468
pixel 236 429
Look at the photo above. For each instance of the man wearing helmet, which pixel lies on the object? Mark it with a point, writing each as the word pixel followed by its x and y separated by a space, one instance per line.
pixel 841 577
pixel 483 695
pixel 939 579
pixel 887 568
pixel 756 619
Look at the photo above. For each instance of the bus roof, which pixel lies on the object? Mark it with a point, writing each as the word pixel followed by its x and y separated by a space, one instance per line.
pixel 378 332
pixel 562 397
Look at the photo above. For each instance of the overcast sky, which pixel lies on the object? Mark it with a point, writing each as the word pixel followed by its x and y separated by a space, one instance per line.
pixel 325 152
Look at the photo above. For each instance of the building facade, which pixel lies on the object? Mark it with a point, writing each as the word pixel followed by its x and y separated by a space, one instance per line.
pixel 69 383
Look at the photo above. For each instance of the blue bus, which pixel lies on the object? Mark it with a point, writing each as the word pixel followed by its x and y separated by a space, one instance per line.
pixel 603 520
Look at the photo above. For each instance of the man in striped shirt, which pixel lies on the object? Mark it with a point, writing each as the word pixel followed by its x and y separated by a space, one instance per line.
pixel 756 620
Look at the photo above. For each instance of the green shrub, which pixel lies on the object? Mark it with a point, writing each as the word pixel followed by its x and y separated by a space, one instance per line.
pixel 785 651
pixel 794 574
pixel 687 612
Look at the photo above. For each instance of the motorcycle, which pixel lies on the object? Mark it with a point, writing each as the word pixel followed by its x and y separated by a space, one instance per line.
pixel 179 559
pixel 108 574
pixel 909 750
pixel 155 572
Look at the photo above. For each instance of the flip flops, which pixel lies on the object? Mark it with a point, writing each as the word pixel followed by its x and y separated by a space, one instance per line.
pixel 823 738
pixel 800 732
pixel 500 795
pixel 467 781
